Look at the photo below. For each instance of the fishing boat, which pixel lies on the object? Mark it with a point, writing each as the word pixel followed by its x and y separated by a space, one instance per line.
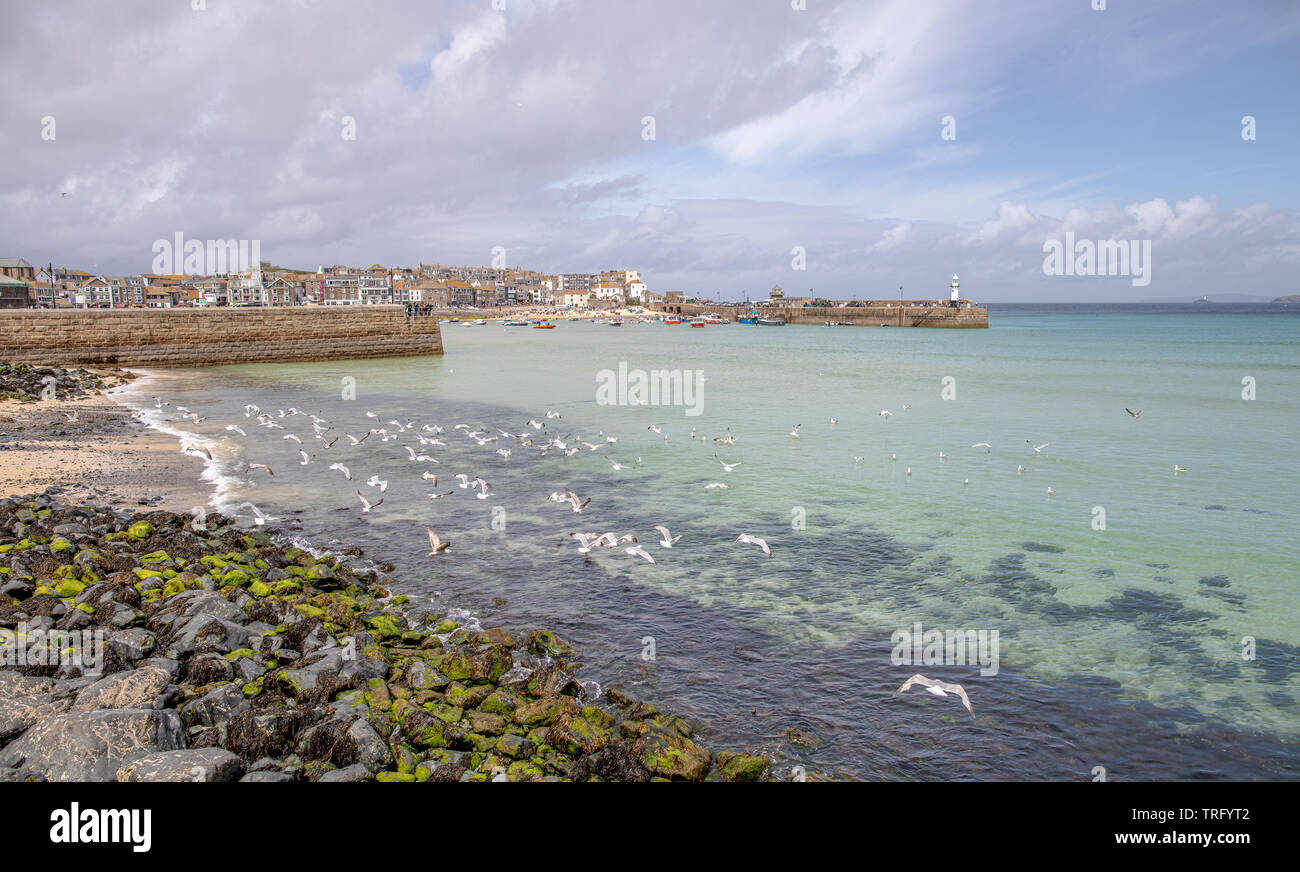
pixel 770 322
pixel 699 322
pixel 748 318
pixel 517 323
pixel 616 322
pixel 672 319
pixel 543 325
pixel 716 319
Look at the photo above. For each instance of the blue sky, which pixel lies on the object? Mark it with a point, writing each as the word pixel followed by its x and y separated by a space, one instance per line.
pixel 774 128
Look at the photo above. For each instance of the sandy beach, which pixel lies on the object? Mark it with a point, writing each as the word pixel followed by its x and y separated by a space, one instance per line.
pixel 105 456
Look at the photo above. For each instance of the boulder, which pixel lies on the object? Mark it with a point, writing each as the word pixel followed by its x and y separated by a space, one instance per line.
pixel 136 688
pixel 92 745
pixel 203 764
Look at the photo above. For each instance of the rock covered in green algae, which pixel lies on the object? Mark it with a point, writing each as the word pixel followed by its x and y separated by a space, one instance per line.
pixel 298 668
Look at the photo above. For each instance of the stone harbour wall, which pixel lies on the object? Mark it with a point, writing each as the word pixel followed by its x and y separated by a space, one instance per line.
pixel 212 337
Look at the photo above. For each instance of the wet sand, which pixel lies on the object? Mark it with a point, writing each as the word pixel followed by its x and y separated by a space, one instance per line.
pixel 105 456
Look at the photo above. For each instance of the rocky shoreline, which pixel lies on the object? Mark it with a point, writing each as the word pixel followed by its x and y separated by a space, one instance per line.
pixel 229 654
pixel 19 381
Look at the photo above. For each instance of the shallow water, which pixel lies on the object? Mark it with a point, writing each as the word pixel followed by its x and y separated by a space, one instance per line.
pixel 1119 647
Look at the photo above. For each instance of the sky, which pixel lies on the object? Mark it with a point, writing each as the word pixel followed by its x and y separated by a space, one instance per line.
pixel 718 146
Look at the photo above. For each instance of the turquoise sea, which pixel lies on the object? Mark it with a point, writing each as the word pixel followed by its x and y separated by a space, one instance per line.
pixel 1162 644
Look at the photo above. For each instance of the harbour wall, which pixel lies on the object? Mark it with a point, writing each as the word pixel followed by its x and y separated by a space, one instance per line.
pixel 877 315
pixel 211 337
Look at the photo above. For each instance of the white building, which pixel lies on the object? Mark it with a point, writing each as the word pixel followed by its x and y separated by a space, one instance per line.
pixel 955 294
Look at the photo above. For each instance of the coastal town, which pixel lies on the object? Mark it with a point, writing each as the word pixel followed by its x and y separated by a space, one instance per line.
pixel 23 285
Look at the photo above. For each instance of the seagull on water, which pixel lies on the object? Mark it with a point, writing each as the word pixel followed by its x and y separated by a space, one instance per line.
pixel 1178 469
pixel 938 688
pixel 795 431
pixel 716 485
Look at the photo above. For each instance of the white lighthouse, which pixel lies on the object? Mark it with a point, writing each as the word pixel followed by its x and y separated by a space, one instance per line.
pixel 956 295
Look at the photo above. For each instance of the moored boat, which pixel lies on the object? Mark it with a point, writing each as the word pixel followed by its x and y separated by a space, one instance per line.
pixel 770 322
pixel 699 322
pixel 544 325
pixel 672 320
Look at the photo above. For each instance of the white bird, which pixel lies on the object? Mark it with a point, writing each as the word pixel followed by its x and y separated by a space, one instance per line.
pixel 795 431
pixel 942 456
pixel 584 541
pixel 253 466
pixel 886 414
pixel 835 420
pixel 1178 469
pixel 716 485
pixel 371 415
pixel 441 495
pixel 1019 469
pixel 668 539
pixel 1051 492
pixel 305 458
pixel 906 407
pixel 436 545
pixel 988 449
pixel 429 476
pixel 483 493
pixel 293 438
pixel 938 688
pixel 355 441
pixel 617 466
pixel 909 470
pixel 374 481
pixel 655 428
pixel 858 458
pixel 965 481
pixel 1038 449
pixel 754 540
pixel 347 473
pixel 504 452
pixel 366 505
pixel 893 457
pixel 535 424
pixel 727 467
pixel 462 478
pixel 551 414
pixel 577 506
pixel 638 551
pixel 236 429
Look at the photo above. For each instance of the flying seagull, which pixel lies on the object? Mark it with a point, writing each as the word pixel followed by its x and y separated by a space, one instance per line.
pixel 988 449
pixel 754 540
pixel 366 505
pixel 253 466
pixel 638 551
pixel 938 688
pixel 436 545
pixel 668 539
pixel 1133 413
pixel 1038 449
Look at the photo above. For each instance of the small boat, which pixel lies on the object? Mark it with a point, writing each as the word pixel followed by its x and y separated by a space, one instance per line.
pixel 543 325
pixel 616 322
pixel 716 319
pixel 770 322
pixel 699 322
pixel 673 320
pixel 748 318
pixel 517 323
pixel 478 322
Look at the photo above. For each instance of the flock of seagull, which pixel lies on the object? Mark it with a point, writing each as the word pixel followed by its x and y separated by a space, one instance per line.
pixel 540 436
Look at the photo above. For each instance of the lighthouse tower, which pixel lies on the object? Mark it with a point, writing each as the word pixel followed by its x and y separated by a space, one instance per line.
pixel 955 294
